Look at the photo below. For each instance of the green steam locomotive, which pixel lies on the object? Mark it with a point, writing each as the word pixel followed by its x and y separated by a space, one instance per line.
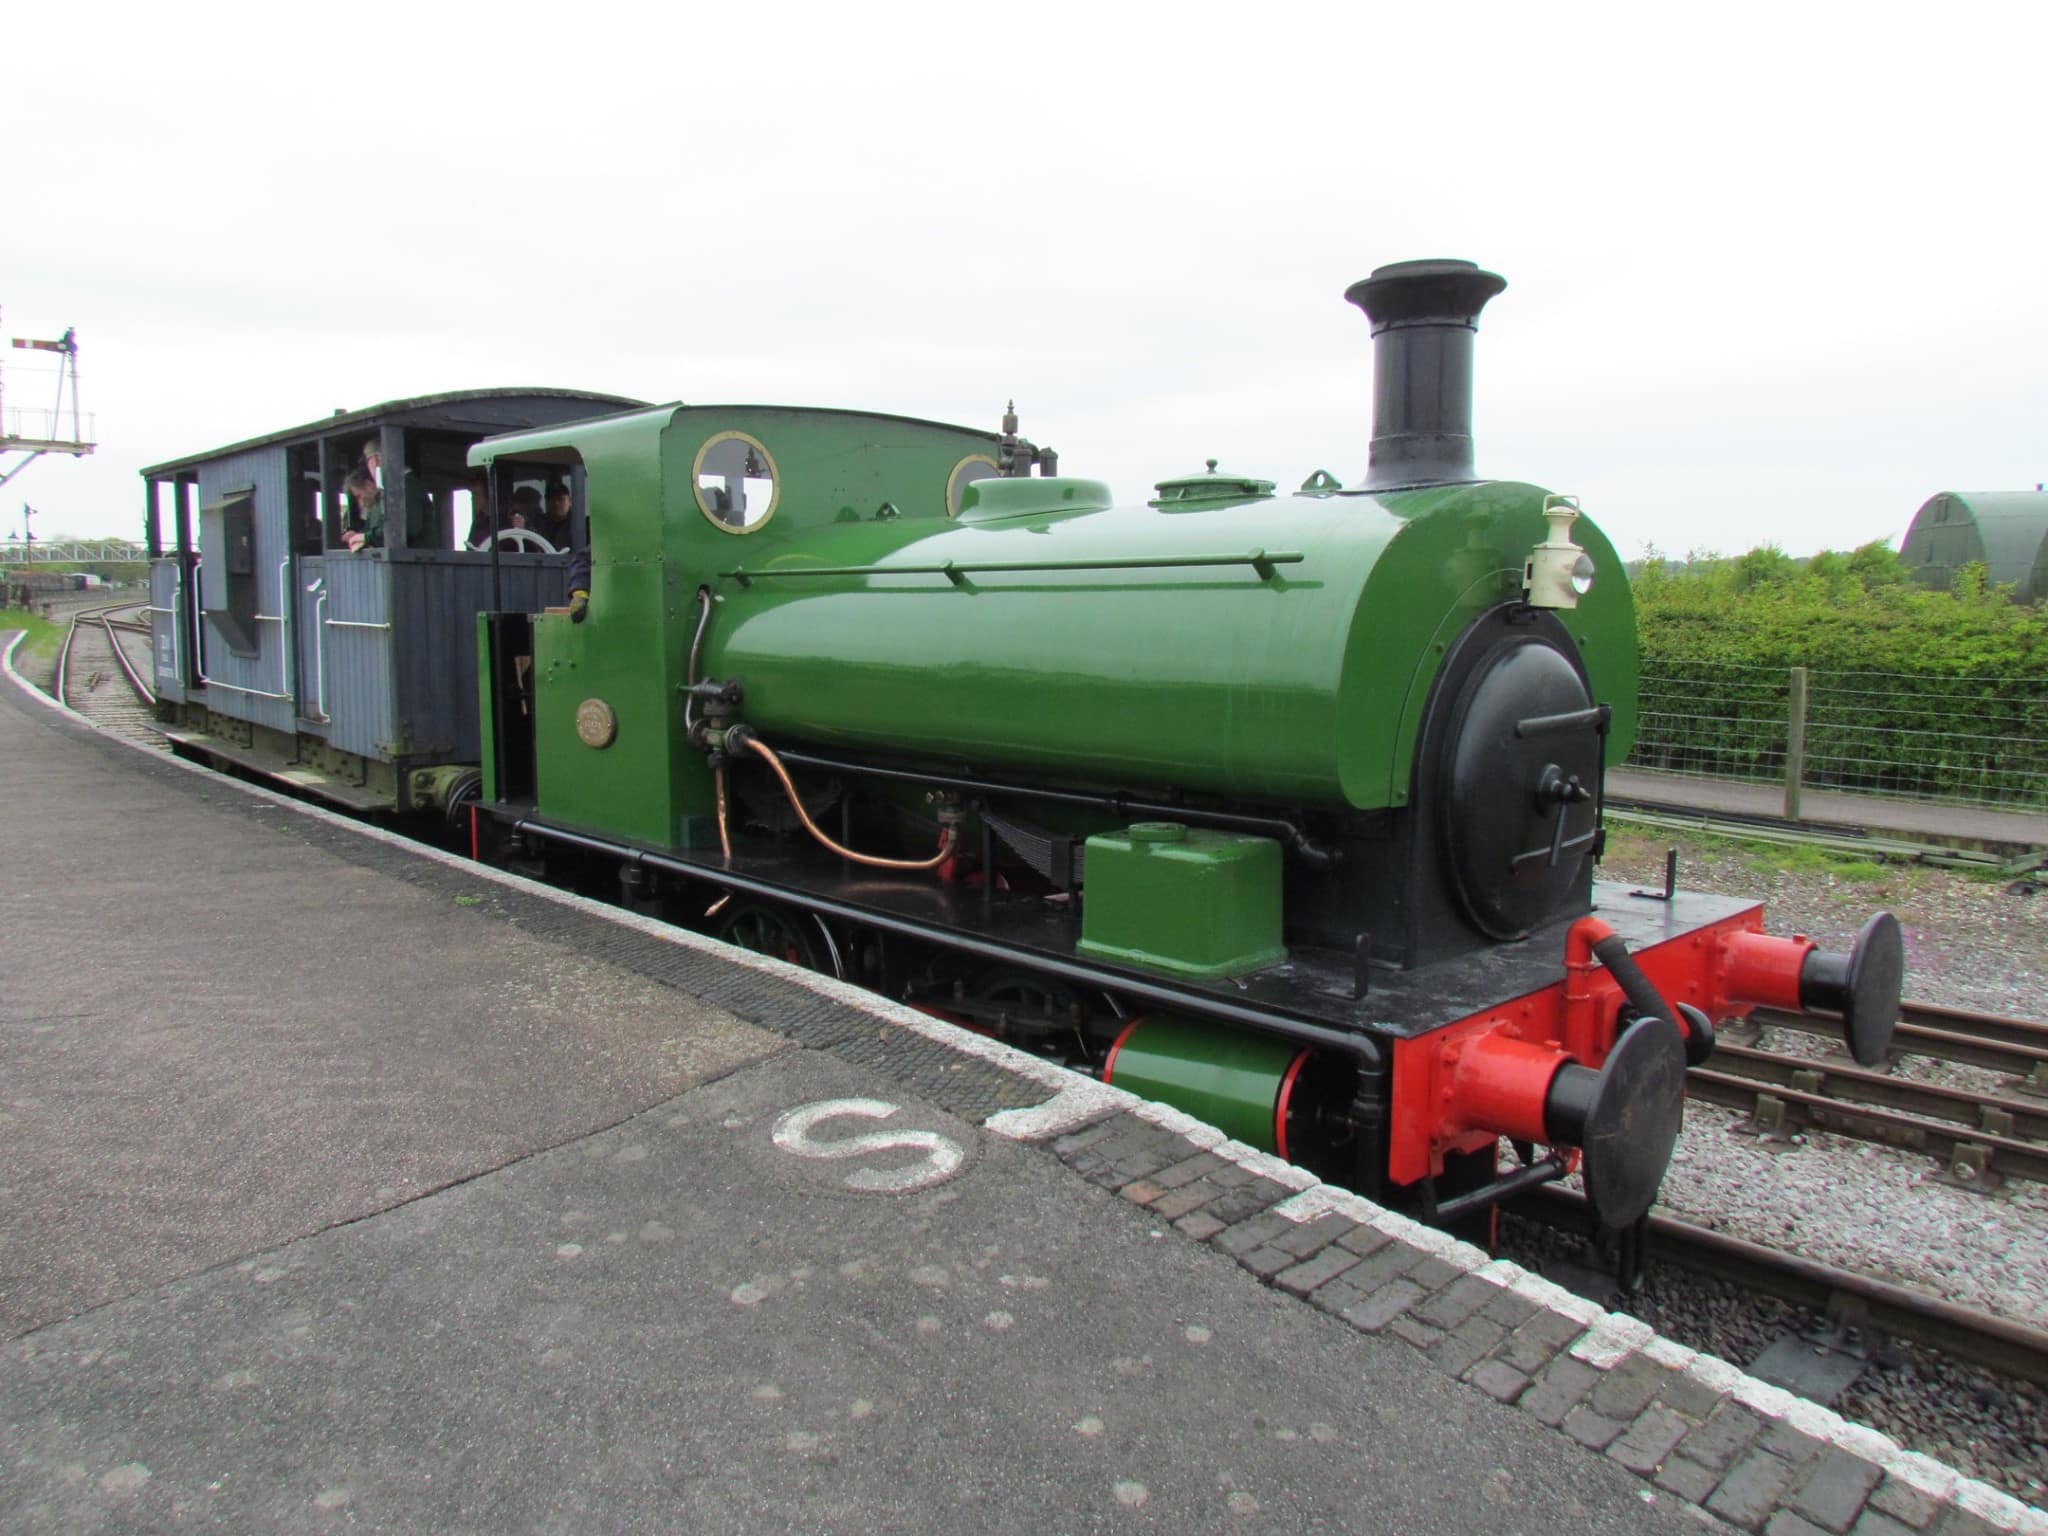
pixel 1283 807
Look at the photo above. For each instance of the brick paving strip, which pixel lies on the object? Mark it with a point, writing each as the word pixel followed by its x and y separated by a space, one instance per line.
pixel 1694 1427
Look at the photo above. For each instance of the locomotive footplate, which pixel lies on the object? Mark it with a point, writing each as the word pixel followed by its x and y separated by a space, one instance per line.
pixel 1311 987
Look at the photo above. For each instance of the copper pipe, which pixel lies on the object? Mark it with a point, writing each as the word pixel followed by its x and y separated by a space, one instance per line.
pixel 764 751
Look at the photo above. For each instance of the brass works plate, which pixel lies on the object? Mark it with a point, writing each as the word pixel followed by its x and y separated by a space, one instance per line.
pixel 596 724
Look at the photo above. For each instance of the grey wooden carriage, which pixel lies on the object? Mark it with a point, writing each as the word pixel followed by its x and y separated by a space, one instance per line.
pixel 350 673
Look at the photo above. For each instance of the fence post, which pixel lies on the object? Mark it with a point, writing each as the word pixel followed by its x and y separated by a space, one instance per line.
pixel 1795 744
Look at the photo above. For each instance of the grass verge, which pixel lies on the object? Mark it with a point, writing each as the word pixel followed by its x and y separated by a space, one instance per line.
pixel 1766 858
pixel 37 658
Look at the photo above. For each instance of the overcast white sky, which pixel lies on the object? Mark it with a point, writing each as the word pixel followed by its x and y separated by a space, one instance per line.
pixel 1775 272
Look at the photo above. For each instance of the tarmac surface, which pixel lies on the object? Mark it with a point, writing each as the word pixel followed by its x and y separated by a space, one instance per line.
pixel 1824 810
pixel 342 1190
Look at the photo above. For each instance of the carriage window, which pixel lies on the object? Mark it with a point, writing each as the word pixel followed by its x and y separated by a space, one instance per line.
pixel 227 542
pixel 472 516
pixel 307 505
pixel 736 482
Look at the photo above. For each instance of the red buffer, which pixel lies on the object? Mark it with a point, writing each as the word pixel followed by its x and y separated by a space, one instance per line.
pixel 1596 1062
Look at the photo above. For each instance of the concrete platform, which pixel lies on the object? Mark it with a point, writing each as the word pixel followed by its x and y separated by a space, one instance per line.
pixel 344 1185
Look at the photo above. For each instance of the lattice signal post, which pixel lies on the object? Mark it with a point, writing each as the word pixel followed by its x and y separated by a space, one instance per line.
pixel 33 433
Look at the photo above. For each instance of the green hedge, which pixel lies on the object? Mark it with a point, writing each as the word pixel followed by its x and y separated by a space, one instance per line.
pixel 1912 691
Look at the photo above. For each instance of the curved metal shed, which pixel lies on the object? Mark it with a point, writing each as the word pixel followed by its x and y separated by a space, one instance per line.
pixel 2006 530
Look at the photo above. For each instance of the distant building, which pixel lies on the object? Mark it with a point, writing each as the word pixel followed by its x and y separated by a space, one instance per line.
pixel 2006 530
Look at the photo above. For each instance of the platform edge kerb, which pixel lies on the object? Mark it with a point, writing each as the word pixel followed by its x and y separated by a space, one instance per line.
pixel 1604 1379
pixel 1519 1338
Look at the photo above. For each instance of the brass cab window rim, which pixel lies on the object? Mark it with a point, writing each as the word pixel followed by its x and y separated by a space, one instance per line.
pixel 774 480
pixel 953 475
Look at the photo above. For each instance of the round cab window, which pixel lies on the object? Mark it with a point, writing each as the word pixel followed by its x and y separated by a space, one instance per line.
pixel 976 466
pixel 736 482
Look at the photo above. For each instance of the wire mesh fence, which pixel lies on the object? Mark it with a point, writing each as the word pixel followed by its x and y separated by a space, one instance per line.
pixel 1967 740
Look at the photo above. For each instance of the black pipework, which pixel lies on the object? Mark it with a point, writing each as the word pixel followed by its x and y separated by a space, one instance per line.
pixel 1121 806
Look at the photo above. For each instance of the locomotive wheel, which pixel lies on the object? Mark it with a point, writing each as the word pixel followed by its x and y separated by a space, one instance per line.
pixel 1029 1002
pixel 801 938
pixel 1036 1012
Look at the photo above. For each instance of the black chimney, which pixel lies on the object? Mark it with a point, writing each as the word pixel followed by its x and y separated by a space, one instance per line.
pixel 1423 317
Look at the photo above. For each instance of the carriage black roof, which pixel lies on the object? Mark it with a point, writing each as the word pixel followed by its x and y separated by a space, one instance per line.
pixel 442 410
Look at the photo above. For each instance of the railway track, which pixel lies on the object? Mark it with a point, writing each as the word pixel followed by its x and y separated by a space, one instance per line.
pixel 99 676
pixel 1994 1041
pixel 1980 1135
pixel 1964 1333
pixel 1952 1381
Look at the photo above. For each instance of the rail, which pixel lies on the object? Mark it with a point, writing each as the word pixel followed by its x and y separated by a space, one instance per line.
pixel 101 619
pixel 1860 1085
pixel 1979 1135
pixel 128 668
pixel 1996 1042
pixel 2010 1348
pixel 958 571
pixel 61 684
